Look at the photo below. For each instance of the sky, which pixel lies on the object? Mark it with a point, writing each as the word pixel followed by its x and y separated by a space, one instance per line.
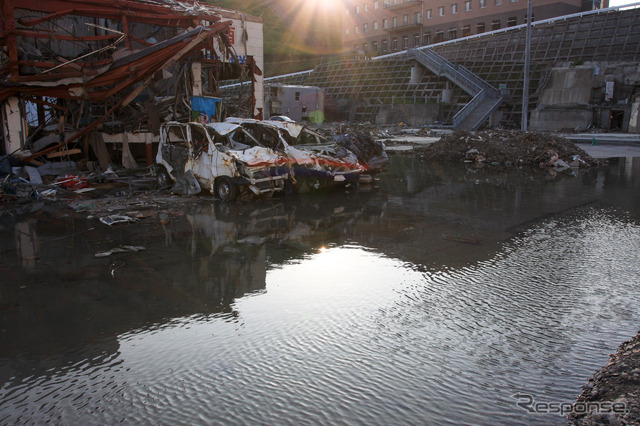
pixel 620 2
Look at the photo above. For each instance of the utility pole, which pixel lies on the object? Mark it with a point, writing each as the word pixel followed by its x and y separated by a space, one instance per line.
pixel 527 63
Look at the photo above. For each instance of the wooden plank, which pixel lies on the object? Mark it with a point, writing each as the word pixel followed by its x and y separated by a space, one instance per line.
pixel 63 153
pixel 100 149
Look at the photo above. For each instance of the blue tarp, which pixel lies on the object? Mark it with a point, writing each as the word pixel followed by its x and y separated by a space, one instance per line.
pixel 203 109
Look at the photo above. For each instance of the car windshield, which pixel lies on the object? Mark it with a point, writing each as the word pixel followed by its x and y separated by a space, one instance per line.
pixel 307 137
pixel 236 139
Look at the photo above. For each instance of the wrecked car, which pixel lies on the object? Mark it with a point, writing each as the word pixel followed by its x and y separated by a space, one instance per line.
pixel 223 157
pixel 315 161
pixel 352 147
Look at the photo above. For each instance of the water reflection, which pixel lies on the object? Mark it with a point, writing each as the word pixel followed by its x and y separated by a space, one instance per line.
pixel 434 297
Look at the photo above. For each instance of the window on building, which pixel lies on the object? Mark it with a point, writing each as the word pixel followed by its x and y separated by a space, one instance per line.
pixel 395 22
pixel 394 44
pixel 480 28
pixel 483 4
pixel 416 40
pixel 355 30
pixel 346 31
pixel 384 46
pixel 454 8
pixel 428 15
pixel 346 11
pixel 466 30
pixel 426 38
pixel 533 18
pixel 498 2
pixel 512 21
pixel 453 33
pixel 405 42
pixel 365 47
pixel 495 25
pixel 439 36
pixel 467 6
pixel 385 24
pixel 514 1
pixel 365 27
pixel 418 17
pixel 405 20
pixel 374 46
pixel 357 10
pixel 441 11
pixel 366 7
pixel 298 94
pixel 375 4
pixel 375 25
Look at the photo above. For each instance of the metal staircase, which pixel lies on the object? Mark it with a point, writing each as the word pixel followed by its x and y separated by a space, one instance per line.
pixel 486 98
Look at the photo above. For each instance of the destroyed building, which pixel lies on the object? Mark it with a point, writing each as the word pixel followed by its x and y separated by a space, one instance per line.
pixel 93 80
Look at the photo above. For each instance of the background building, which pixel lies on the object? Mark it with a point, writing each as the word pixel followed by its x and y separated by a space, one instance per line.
pixel 372 27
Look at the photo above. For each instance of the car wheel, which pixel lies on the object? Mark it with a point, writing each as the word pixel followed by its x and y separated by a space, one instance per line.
pixel 226 190
pixel 163 179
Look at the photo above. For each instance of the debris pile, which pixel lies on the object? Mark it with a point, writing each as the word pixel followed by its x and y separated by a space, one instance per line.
pixel 361 142
pixel 612 396
pixel 21 181
pixel 508 148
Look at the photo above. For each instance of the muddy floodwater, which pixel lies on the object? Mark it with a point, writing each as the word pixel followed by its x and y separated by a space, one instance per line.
pixel 438 296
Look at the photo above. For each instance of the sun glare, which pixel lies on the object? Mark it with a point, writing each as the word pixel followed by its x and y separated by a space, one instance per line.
pixel 309 23
pixel 325 5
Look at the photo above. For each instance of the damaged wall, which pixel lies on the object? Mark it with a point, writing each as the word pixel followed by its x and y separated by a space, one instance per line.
pixel 600 94
pixel 565 103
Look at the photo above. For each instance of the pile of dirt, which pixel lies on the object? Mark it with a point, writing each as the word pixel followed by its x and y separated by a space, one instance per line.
pixel 508 148
pixel 612 396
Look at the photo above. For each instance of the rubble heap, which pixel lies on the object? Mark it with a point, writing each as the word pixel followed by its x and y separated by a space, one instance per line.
pixel 508 148
pixel 615 389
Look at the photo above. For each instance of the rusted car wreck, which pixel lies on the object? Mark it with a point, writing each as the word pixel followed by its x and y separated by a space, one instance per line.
pixel 222 157
pixel 315 160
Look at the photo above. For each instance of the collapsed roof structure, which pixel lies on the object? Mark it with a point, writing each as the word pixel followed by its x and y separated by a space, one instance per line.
pixel 69 68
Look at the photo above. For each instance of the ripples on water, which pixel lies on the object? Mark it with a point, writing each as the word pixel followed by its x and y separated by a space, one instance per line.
pixel 347 334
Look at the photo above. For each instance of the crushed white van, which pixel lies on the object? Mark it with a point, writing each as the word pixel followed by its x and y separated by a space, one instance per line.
pixel 223 157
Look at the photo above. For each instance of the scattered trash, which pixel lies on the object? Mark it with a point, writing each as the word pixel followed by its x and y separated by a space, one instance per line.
pixel 81 190
pixel 120 249
pixel 116 218
pixel 72 182
pixel 49 193
pixel 560 165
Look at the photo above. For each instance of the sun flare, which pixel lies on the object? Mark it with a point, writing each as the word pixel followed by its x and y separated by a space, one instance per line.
pixel 324 5
pixel 309 23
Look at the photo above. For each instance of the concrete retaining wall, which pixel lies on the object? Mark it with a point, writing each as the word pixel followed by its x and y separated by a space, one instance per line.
pixel 414 115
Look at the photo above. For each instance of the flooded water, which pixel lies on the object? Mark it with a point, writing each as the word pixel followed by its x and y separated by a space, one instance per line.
pixel 435 298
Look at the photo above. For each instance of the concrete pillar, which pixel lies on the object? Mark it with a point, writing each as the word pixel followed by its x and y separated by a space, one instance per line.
pixel 416 74
pixel 196 72
pixel 13 125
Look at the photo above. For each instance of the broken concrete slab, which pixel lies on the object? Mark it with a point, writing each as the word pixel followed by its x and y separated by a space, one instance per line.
pixel 58 168
pixel 34 175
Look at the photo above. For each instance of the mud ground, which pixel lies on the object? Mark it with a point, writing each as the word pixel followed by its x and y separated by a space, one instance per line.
pixel 616 387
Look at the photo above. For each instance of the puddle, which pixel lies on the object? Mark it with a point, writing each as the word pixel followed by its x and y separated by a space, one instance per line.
pixel 434 296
